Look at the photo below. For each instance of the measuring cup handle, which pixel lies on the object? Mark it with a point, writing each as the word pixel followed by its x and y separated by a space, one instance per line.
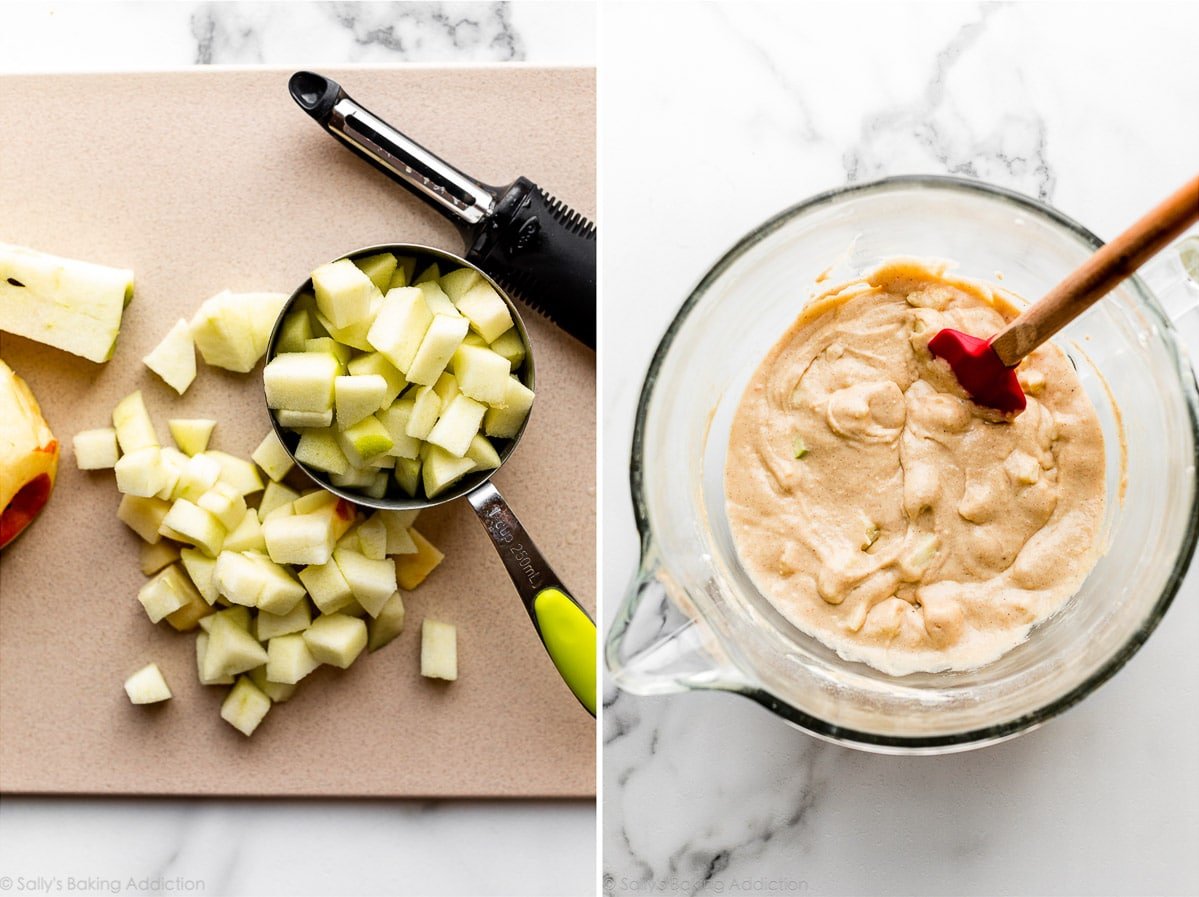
pixel 564 627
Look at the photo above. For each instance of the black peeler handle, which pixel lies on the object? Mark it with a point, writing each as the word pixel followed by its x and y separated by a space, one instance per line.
pixel 535 246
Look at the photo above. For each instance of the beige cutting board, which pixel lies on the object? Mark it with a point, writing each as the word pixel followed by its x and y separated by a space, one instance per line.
pixel 214 179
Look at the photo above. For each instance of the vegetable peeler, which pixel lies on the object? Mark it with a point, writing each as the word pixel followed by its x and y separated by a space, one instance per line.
pixel 534 245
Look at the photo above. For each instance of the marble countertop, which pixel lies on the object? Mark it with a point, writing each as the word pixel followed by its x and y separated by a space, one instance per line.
pixel 1087 106
pixel 293 848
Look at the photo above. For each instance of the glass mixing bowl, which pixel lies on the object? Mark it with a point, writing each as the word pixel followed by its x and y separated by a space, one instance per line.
pixel 692 619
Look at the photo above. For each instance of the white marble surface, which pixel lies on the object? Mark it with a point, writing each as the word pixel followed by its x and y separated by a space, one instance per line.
pixel 273 847
pixel 750 109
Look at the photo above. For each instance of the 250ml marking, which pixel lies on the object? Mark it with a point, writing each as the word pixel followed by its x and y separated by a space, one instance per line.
pixel 524 560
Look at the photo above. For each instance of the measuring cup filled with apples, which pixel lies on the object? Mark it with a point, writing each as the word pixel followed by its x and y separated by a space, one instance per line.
pixel 400 377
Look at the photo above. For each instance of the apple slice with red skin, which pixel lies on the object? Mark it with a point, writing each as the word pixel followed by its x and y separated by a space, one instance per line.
pixel 28 456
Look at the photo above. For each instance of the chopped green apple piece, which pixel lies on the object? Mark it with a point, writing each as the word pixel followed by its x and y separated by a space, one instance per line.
pixel 913 564
pixel 407 474
pixel 364 440
pixel 441 469
pixel 275 495
pixel 237 615
pixel 353 336
pixel 245 707
pixel 330 346
pixel 147 686
pixel 504 422
pixel 328 588
pixel 201 652
pixel 343 292
pixel 372 582
pixel 238 578
pixel 456 427
pixel 96 449
pixel 354 478
pixel 232 330
pixel 200 569
pixel 388 624
pixel 272 457
pixel 483 453
pixel 296 620
pixel 288 659
pixel 412 569
pixel 446 388
pixel 510 346
pixel 395 420
pixel 164 594
pixel 280 593
pixel 377 363
pixel 188 522
pixel 237 472
pixel 482 374
pixel 174 359
pixel 247 535
pixel 315 500
pixel 143 515
pixel 191 434
pixel 295 331
pixel 798 447
pixel 301 381
pixel 400 325
pixel 153 556
pixel 321 450
pixel 405 271
pixel 198 475
pixel 379 268
pixel 304 420
pixel 372 538
pixel 438 650
pixel 487 312
pixel 134 428
pixel 194 609
pixel 426 408
pixel 336 639
pixel 397 524
pixel 276 691
pixel 455 283
pixel 357 397
pixel 231 649
pixel 437 347
pixel 439 303
pixel 224 503
pixel 299 539
pixel 430 274
pixel 71 305
pixel 142 472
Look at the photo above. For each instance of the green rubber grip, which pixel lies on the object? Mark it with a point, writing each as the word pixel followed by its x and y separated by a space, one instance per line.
pixel 569 637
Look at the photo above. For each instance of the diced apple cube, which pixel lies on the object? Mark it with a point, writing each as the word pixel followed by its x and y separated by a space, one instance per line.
pixel 188 522
pixel 379 268
pixel 483 453
pixel 194 609
pixel 237 472
pixel 430 274
pixel 132 422
pixel 191 434
pixel 247 535
pixel 245 707
pixel 446 388
pixel 164 594
pixel 405 271
pixel 272 457
pixel 354 335
pixel 174 359
pixel 142 472
pixel 295 331
pixel 231 649
pixel 200 569
pixel 276 691
pixel 438 650
pixel 237 615
pixel 296 620
pixel 400 325
pixel 439 303
pixel 372 582
pixel 330 346
pixel 388 624
pixel 238 578
pixel 300 381
pixel 232 330
pixel 96 449
pixel 412 569
pixel 456 427
pixel 224 503
pixel 143 515
pixel 276 495
pixel 426 407
pixel 299 539
pixel 407 474
pixel 482 374
pixel 441 470
pixel 395 420
pixel 357 397
pixel 437 347
pixel 303 420
pixel 510 346
pixel 156 555
pixel 455 283
pixel 321 450
pixel 329 590
pixel 364 440
pixel 378 488
pixel 486 310
pixel 354 478
pixel 280 593
pixel 288 659
pixel 377 363
pixel 397 524
pixel 199 475
pixel 201 652
pixel 336 639
pixel 174 462
pixel 504 422
pixel 147 686
pixel 314 500
pixel 343 292
pixel 372 537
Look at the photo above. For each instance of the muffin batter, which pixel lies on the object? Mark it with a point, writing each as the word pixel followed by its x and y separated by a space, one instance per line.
pixel 882 511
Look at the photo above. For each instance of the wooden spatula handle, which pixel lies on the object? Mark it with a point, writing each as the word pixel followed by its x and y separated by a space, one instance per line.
pixel 1098 275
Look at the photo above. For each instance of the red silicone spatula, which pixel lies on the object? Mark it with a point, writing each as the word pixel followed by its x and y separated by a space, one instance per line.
pixel 986 367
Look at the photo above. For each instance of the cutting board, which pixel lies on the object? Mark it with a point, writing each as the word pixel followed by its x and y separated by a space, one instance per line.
pixel 212 179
